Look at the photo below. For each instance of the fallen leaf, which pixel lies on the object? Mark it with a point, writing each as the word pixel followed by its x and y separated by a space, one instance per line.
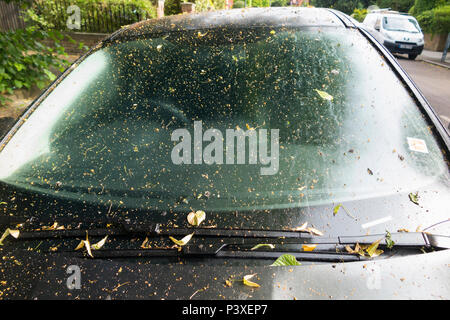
pixel 286 260
pixel 259 245
pixel 99 244
pixel 144 244
pixel 195 218
pixel 314 231
pixel 86 244
pixel 54 226
pixel 249 283
pixel 301 228
pixel 372 249
pixel 311 247
pixel 389 242
pixel 8 231
pixel 336 209
pixel 414 197
pixel 183 241
pixel 324 95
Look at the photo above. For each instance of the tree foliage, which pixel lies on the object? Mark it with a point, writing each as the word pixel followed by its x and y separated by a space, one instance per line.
pixel 29 56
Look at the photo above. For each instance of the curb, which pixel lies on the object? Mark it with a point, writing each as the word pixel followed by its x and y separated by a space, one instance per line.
pixel 440 64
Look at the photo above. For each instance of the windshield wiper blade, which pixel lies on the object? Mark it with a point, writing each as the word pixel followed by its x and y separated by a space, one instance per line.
pixel 126 228
pixel 156 229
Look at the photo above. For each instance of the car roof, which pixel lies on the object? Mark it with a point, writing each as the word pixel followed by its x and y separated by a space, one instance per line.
pixel 244 18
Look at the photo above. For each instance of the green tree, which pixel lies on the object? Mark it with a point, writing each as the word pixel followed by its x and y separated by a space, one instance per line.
pixel 346 6
pixel 398 5
pixel 424 5
pixel 29 56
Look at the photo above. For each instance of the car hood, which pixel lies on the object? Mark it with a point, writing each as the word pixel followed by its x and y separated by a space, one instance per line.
pixel 35 276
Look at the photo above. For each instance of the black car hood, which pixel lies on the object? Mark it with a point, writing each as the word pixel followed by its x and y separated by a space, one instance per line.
pixel 29 275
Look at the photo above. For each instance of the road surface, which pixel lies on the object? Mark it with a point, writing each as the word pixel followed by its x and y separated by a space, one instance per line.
pixel 434 82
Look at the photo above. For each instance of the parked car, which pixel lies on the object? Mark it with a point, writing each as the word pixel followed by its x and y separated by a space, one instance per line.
pixel 135 174
pixel 400 33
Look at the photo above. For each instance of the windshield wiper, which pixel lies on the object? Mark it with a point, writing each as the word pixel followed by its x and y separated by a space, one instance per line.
pixel 237 243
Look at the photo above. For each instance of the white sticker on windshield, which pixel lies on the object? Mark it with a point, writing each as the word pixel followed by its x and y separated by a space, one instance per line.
pixel 417 145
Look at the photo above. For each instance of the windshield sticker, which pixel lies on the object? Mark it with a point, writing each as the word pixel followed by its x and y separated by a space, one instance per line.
pixel 417 145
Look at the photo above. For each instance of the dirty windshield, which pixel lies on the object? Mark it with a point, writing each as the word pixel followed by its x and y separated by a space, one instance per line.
pixel 226 119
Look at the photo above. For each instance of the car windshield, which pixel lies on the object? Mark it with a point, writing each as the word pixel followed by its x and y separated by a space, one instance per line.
pixel 401 24
pixel 226 119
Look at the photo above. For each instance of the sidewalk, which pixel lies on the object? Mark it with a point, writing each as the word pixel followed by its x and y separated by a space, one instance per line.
pixel 434 57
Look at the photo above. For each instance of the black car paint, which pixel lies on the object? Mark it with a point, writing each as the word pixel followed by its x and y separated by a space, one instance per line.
pixel 43 275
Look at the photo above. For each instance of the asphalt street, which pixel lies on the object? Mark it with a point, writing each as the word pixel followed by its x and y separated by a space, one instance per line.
pixel 434 83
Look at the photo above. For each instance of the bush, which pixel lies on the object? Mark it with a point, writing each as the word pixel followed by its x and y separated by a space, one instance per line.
pixel 25 60
pixel 398 5
pixel 359 14
pixel 280 3
pixel 425 5
pixel 260 3
pixel 238 4
pixel 436 20
pixel 442 19
pixel 172 7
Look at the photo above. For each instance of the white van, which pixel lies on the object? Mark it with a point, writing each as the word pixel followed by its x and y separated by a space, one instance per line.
pixel 400 33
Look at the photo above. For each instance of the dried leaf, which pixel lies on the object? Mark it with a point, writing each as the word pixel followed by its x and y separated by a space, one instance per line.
pixel 249 283
pixel 259 245
pixel 324 95
pixel 389 242
pixel 414 197
pixel 86 244
pixel 99 244
pixel 183 241
pixel 336 209
pixel 54 226
pixel 372 249
pixel 144 244
pixel 314 231
pixel 301 228
pixel 195 218
pixel 8 231
pixel 311 247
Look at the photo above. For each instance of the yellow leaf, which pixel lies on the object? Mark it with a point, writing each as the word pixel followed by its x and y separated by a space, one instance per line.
pixel 99 244
pixel 88 248
pixel 183 241
pixel 80 245
pixel 314 231
pixel 87 245
pixel 13 233
pixel 144 244
pixel 195 218
pixel 324 95
pixel 372 249
pixel 249 283
pixel 306 247
pixel 271 246
pixel 301 228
